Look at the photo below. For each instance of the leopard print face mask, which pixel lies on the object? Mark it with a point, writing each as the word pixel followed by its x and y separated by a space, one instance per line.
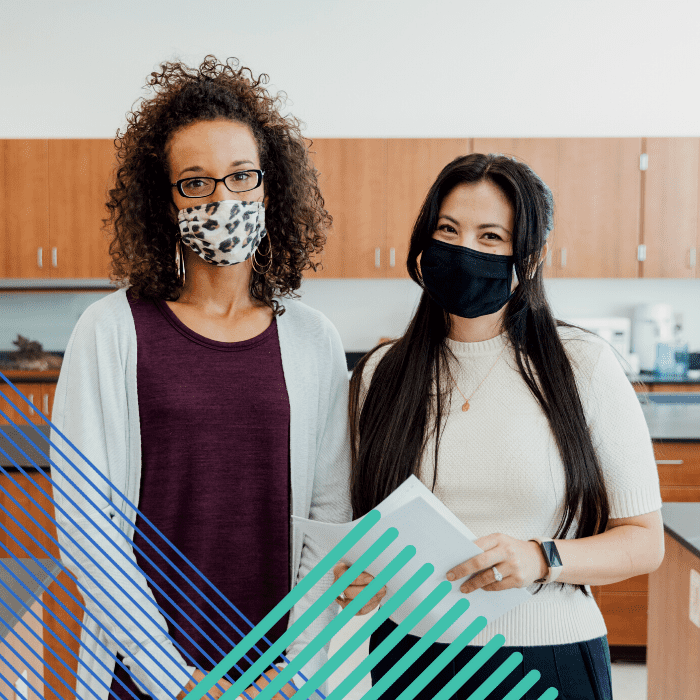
pixel 223 233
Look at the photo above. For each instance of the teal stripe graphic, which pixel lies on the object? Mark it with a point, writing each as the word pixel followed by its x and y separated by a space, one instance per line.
pixel 415 616
pixel 385 575
pixel 497 676
pixel 441 662
pixel 382 614
pixel 549 694
pixel 439 628
pixel 524 685
pixel 483 655
pixel 288 602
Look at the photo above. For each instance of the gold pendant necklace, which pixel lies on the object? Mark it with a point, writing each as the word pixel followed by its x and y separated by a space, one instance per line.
pixel 465 405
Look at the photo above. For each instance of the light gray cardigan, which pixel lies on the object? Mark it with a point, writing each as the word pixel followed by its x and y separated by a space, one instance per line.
pixel 96 407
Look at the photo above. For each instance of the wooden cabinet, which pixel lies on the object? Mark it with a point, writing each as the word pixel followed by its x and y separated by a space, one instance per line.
pixel 374 189
pixel 80 174
pixel 674 640
pixel 598 207
pixel 542 155
pixel 24 498
pixel 412 167
pixel 670 213
pixel 624 604
pixel 24 218
pixel 39 399
pixel 353 183
pixel 53 195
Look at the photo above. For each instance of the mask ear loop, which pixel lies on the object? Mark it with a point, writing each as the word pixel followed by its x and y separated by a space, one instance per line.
pixel 269 252
pixel 180 261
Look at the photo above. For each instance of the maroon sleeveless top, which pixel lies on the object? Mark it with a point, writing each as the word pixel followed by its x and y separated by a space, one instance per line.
pixel 215 478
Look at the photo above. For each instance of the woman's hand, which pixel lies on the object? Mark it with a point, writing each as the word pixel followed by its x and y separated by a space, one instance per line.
pixel 216 692
pixel 355 588
pixel 520 563
pixel 287 689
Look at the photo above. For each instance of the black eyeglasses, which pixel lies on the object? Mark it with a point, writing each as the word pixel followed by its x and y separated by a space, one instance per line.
pixel 242 181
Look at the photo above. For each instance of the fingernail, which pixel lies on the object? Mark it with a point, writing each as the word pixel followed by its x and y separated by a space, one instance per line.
pixel 450 576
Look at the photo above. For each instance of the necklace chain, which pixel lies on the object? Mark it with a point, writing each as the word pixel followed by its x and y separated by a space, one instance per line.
pixel 465 405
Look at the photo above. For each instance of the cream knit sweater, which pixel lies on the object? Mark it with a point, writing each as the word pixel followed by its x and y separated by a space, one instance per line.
pixel 499 469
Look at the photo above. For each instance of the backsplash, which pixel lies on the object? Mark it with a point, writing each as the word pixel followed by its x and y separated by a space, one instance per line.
pixel 365 310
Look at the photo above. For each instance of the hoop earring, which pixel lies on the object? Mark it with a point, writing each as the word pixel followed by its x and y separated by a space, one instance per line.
pixel 269 252
pixel 180 261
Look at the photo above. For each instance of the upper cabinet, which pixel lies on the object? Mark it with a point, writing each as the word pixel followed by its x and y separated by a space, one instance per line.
pixel 80 174
pixel 54 193
pixel 598 207
pixel 670 213
pixel 542 155
pixel 24 218
pixel 412 167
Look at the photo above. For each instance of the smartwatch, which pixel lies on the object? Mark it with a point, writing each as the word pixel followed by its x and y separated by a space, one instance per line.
pixel 551 555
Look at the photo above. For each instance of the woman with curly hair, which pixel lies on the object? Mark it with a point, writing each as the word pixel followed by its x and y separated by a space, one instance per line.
pixel 208 404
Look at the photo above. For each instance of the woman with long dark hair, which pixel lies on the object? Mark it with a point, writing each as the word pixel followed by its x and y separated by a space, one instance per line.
pixel 202 391
pixel 525 427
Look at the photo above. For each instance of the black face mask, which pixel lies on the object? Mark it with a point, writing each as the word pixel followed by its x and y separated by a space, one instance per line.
pixel 465 282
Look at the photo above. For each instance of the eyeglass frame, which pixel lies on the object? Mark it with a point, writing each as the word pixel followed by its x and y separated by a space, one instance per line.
pixel 217 180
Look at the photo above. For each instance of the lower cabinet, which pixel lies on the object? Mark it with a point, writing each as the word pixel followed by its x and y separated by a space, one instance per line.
pixel 63 605
pixel 38 400
pixel 624 604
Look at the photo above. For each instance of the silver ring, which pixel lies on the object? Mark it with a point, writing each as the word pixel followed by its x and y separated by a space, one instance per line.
pixel 497 574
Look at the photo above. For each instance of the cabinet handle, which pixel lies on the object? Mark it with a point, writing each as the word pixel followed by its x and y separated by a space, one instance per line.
pixel 563 257
pixel 392 257
pixel 549 257
pixel 54 256
pixel 641 252
pixel 40 257
pixel 46 404
pixel 30 398
pixel 693 255
pixel 377 257
pixel 669 461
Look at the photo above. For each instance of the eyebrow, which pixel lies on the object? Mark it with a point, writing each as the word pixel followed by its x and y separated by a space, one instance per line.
pixel 481 226
pixel 198 169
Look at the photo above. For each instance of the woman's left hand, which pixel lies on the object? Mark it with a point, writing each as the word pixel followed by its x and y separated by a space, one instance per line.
pixel 520 563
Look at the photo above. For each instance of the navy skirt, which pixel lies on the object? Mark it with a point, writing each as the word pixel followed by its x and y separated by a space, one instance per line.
pixel 579 671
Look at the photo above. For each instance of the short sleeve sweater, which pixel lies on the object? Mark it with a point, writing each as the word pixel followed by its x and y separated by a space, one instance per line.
pixel 499 469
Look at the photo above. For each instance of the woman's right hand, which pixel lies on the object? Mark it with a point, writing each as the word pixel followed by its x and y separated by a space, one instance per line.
pixel 355 588
pixel 216 692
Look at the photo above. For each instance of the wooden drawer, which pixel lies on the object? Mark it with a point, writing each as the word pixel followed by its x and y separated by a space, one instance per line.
pixel 680 494
pixel 678 464
pixel 674 388
pixel 625 617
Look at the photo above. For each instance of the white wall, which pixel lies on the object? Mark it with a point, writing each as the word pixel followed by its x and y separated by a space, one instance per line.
pixel 368 68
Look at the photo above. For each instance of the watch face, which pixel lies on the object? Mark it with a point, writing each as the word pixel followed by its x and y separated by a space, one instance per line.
pixel 550 550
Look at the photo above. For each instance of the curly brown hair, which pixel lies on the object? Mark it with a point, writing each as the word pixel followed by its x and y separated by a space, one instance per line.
pixel 140 204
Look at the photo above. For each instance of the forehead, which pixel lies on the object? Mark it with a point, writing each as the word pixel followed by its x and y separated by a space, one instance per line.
pixel 480 200
pixel 211 143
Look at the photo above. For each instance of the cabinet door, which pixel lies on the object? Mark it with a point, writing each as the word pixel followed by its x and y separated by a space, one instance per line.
pixel 670 224
pixel 412 166
pixel 598 205
pixel 25 214
pixel 542 155
pixel 33 395
pixel 353 184
pixel 80 174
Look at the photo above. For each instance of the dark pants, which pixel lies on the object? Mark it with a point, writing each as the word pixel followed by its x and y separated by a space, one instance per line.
pixel 579 671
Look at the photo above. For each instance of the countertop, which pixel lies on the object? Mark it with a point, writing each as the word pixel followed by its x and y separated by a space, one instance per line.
pixel 682 522
pixel 13 610
pixel 40 439
pixel 672 422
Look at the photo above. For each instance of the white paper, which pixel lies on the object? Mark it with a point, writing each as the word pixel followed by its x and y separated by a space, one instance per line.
pixel 440 539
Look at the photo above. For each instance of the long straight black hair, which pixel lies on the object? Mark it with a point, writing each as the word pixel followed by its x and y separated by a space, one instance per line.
pixel 400 412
